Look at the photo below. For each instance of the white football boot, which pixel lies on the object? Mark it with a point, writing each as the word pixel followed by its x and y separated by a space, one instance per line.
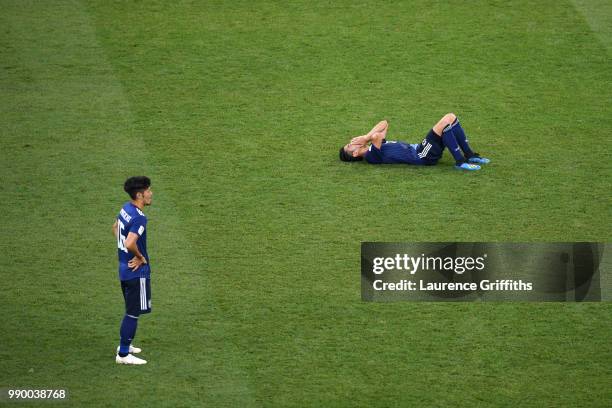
pixel 129 359
pixel 133 350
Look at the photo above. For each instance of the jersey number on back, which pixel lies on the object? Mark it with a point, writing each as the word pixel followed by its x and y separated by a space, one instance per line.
pixel 121 238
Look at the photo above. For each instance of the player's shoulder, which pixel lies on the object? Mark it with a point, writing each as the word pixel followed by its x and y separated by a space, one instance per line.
pixel 139 212
pixel 130 212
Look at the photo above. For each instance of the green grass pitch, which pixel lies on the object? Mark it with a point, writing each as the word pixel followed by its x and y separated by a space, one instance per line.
pixel 236 110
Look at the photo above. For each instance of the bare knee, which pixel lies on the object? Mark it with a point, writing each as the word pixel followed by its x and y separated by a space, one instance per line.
pixel 446 120
pixel 449 118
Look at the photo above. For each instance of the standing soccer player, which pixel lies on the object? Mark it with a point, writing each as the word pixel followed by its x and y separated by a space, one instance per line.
pixel 130 228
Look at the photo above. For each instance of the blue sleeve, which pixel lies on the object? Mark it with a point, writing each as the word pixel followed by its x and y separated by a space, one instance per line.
pixel 374 155
pixel 139 225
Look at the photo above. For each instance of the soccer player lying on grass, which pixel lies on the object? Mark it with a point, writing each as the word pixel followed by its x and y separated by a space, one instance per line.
pixel 446 133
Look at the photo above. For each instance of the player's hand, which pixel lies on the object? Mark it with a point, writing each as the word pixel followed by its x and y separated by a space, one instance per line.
pixel 360 140
pixel 136 263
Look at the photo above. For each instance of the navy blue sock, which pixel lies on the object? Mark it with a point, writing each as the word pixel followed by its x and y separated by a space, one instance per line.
pixel 461 139
pixel 448 138
pixel 127 333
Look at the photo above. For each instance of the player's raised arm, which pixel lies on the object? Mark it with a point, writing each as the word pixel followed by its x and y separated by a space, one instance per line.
pixel 379 132
pixel 360 140
pixel 377 139
pixel 381 126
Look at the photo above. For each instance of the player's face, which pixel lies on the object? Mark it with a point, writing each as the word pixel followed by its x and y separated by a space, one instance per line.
pixel 147 196
pixel 355 150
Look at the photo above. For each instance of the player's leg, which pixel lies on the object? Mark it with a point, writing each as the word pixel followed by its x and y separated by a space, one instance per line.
pixel 448 137
pixel 444 130
pixel 446 120
pixel 127 332
pixel 133 303
pixel 129 324
pixel 429 151
pixel 465 146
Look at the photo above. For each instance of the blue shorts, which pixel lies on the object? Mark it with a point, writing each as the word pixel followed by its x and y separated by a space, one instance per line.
pixel 430 149
pixel 137 296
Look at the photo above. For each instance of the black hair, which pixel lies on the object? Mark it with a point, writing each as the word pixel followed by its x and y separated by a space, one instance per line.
pixel 136 184
pixel 345 157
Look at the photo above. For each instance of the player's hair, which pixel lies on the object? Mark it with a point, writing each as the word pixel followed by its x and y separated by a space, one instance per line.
pixel 345 157
pixel 136 184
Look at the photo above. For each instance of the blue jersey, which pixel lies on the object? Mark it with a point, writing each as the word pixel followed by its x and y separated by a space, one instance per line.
pixel 131 219
pixel 394 152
